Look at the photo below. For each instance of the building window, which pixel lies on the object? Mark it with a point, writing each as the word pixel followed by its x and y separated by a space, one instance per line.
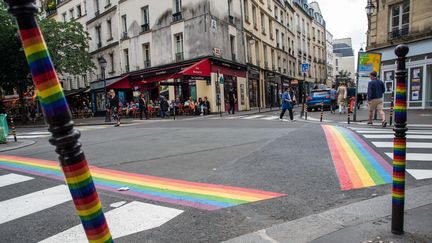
pixel 263 23
pixel 230 7
pixel 145 19
pixel 177 15
pixel 64 16
pixel 111 57
pixel 282 17
pixel 108 3
pixel 246 10
pixel 257 54
pixel 98 36
pixel 233 47
pixel 249 49
pixel 271 29
pixel 109 25
pixel 178 47
pixel 283 41
pixel 399 19
pixel 146 55
pixel 276 12
pixel 277 38
pixel 126 57
pixel 79 13
pixel 265 56
pixel 254 17
pixel 96 3
pixel 124 26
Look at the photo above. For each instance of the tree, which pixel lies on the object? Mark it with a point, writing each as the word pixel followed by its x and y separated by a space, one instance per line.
pixel 66 41
pixel 344 77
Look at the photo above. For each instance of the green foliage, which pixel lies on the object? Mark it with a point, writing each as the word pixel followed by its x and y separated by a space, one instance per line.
pixel 344 77
pixel 67 44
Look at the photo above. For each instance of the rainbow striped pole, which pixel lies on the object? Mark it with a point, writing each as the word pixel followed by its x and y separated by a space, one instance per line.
pixel 399 149
pixel 57 114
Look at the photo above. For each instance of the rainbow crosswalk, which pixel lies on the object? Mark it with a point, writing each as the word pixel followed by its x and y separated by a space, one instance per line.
pixel 357 164
pixel 198 195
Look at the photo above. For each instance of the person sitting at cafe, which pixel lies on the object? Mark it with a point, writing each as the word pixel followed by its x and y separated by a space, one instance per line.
pixel 206 106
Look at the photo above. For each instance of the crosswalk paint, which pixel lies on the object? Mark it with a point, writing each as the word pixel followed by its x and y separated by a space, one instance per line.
pixel 34 202
pixel 234 117
pixel 392 132
pixel 131 218
pixel 409 136
pixel 414 156
pixel 252 117
pixel 10 179
pixel 270 118
pixel 409 145
pixel 420 174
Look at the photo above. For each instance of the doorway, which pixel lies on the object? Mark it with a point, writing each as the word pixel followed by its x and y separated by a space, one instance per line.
pixel 429 86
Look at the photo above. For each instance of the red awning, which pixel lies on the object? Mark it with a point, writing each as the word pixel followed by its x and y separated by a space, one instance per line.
pixel 199 69
pixel 122 83
pixel 155 79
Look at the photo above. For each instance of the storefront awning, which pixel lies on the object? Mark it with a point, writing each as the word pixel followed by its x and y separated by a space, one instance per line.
pixel 122 83
pixel 199 70
pixel 74 91
pixel 155 79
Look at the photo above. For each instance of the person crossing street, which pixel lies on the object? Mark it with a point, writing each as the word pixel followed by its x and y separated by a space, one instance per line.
pixel 287 104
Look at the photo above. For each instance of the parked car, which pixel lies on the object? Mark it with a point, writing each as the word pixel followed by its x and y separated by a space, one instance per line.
pixel 316 97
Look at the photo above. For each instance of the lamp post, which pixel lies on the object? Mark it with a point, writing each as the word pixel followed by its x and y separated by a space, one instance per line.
pixel 370 9
pixel 357 84
pixel 103 64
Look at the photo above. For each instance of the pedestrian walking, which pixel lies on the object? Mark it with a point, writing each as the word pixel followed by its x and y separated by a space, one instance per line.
pixel 341 98
pixel 142 106
pixel 375 93
pixel 333 94
pixel 232 100
pixel 114 107
pixel 287 104
pixel 164 106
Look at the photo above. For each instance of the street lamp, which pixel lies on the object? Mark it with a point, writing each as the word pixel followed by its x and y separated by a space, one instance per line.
pixel 370 8
pixel 103 64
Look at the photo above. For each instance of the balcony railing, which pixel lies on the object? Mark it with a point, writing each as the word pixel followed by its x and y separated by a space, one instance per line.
pixel 50 12
pixel 99 44
pixel 231 19
pixel 177 16
pixel 179 56
pixel 124 35
pixel 145 27
pixel 97 13
pixel 398 33
pixel 233 57
pixel 147 63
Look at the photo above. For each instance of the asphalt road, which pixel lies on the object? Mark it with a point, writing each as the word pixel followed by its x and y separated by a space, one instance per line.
pixel 269 155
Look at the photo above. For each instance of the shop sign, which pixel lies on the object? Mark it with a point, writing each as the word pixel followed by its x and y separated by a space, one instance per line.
pixel 217 52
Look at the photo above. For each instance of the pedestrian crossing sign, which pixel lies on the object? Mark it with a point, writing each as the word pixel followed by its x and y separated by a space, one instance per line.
pixel 305 67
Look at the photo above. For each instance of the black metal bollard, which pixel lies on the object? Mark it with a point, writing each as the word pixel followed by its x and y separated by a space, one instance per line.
pixel 399 147
pixel 13 128
pixel 349 118
pixel 322 110
pixel 391 109
pixel 57 114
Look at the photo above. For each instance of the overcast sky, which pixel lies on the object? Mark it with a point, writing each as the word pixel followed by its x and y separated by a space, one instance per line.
pixel 346 18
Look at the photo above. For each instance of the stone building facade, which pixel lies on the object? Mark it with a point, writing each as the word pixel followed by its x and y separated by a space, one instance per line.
pixel 410 22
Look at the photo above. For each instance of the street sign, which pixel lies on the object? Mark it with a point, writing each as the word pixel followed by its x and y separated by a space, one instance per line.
pixel 305 67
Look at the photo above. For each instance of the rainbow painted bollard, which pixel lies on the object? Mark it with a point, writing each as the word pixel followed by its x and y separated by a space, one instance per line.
pixel 57 114
pixel 399 147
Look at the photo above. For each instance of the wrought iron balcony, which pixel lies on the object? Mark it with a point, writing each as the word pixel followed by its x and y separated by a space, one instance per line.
pixel 177 16
pixel 398 33
pixel 145 27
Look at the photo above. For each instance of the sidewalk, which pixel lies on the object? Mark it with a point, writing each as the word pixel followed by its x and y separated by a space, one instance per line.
pixel 364 221
pixel 415 118
pixel 11 145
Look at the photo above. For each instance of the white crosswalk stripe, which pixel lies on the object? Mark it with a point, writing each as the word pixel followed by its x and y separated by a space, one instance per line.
pixel 10 179
pixel 46 134
pixel 34 202
pixel 124 218
pixel 418 147
pixel 251 117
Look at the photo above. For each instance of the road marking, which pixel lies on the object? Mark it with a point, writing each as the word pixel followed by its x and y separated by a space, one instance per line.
pixel 409 145
pixel 392 132
pixel 252 117
pixel 409 136
pixel 270 118
pixel 34 202
pixel 38 133
pixel 414 156
pixel 234 117
pixel 28 136
pixel 10 179
pixel 420 174
pixel 129 219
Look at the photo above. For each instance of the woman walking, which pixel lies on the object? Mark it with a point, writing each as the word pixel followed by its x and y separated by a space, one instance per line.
pixel 342 94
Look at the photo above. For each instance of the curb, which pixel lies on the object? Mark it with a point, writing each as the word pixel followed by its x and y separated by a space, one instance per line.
pixel 315 226
pixel 24 143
